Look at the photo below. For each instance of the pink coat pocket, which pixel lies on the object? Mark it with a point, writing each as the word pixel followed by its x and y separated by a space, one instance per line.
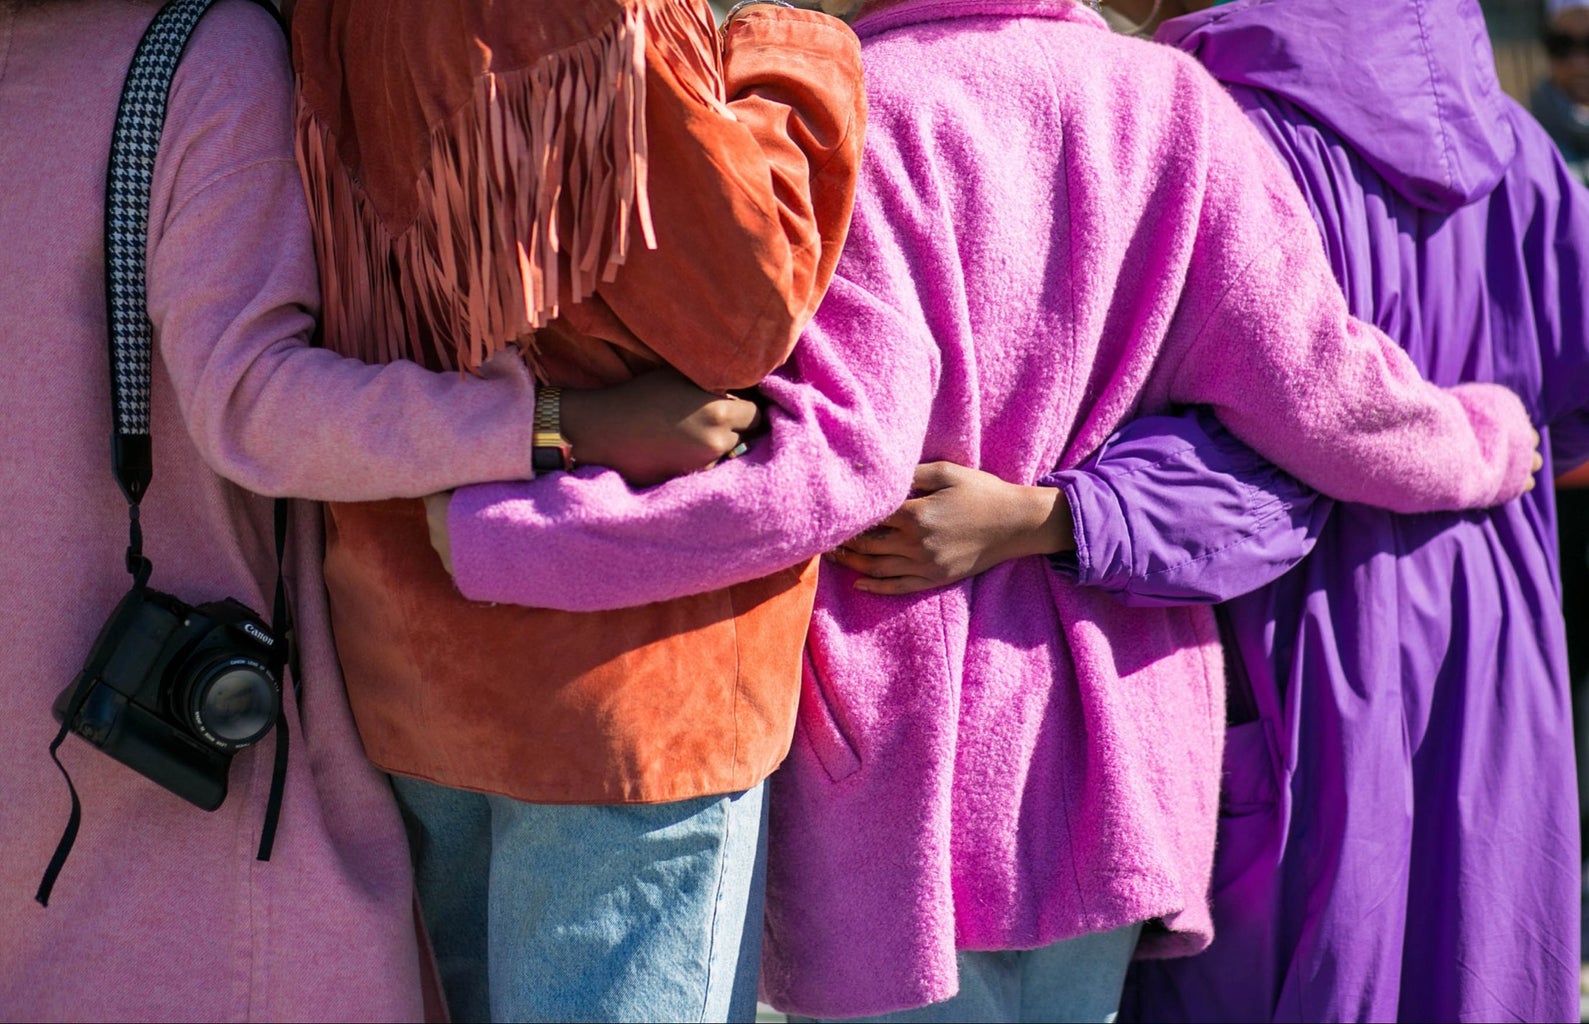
pixel 822 728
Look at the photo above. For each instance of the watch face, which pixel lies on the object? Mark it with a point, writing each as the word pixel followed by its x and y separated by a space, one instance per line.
pixel 546 460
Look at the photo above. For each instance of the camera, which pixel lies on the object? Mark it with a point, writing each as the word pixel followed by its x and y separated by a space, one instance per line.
pixel 173 691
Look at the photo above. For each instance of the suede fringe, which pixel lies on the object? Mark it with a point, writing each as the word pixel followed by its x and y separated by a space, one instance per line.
pixel 543 173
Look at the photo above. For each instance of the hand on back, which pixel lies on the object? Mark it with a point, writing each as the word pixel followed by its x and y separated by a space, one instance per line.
pixel 655 427
pixel 960 523
pixel 649 429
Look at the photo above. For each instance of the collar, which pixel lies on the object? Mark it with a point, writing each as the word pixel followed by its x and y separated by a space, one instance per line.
pixel 887 15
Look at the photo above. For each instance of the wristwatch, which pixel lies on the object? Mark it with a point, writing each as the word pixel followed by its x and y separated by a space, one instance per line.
pixel 550 450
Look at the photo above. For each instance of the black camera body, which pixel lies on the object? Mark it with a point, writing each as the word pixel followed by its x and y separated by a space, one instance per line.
pixel 174 691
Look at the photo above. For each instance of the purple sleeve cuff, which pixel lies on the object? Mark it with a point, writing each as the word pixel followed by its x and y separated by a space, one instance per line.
pixel 1102 551
pixel 1176 510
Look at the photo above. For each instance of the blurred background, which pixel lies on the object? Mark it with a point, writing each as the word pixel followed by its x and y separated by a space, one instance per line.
pixel 1515 28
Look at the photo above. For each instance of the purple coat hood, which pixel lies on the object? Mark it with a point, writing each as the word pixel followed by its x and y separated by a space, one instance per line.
pixel 1410 85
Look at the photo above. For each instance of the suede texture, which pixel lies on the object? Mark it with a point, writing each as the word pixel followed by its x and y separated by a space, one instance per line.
pixel 657 703
pixel 751 186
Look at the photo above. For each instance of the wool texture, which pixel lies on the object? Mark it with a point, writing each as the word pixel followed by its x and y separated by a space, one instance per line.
pixel 1057 229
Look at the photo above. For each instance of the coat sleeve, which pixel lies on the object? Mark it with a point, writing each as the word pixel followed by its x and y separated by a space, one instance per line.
pixel 1263 337
pixel 751 184
pixel 232 296
pixel 1176 510
pixel 838 458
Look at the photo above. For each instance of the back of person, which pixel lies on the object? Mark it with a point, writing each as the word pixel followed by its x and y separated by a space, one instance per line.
pixel 1082 229
pixel 162 912
pixel 684 209
pixel 621 194
pixel 965 224
pixel 1400 840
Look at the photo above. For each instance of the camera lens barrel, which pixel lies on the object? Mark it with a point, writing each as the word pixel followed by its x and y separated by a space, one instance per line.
pixel 230 702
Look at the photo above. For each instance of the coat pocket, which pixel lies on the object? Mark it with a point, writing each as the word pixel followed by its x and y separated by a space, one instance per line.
pixel 822 726
pixel 1248 848
pixel 1247 782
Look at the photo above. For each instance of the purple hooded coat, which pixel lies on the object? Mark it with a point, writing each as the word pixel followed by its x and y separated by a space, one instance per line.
pixel 1398 834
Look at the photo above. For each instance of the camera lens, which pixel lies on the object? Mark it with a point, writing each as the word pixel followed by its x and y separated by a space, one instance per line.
pixel 233 703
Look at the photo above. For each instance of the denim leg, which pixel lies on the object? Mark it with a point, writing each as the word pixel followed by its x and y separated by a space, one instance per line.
pixel 990 991
pixel 449 837
pixel 731 996
pixel 626 912
pixel 1079 979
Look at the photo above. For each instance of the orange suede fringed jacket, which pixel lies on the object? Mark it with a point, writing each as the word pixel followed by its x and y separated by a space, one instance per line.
pixel 608 186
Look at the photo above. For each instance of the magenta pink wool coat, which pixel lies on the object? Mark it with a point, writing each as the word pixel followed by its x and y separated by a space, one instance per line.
pixel 1057 229
pixel 162 912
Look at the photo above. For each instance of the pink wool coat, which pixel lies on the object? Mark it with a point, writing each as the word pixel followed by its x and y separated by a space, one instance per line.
pixel 162 912
pixel 1058 229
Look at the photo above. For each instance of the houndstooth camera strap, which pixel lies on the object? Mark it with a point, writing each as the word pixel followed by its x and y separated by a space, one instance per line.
pixel 134 146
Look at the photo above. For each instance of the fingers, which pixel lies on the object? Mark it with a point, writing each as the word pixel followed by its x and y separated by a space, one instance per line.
pixel 758 424
pixel 436 519
pixel 879 540
pixel 1537 465
pixel 934 476
pixel 739 415
pixel 899 534
pixel 904 527
pixel 436 507
pixel 876 566
pixel 897 585
pixel 733 453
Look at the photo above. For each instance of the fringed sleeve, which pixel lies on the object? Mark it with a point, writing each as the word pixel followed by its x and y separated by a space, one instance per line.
pixel 722 189
pixel 542 175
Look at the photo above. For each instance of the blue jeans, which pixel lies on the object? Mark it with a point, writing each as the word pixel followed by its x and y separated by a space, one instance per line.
pixel 1079 979
pixel 627 912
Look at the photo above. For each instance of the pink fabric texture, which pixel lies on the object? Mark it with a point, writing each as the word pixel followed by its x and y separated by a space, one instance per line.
pixel 162 912
pixel 1058 229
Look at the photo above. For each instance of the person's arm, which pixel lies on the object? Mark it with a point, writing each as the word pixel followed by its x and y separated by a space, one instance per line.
pixel 1172 510
pixel 846 420
pixel 1263 330
pixel 232 295
pixel 1263 337
pixel 751 182
pixel 1178 511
